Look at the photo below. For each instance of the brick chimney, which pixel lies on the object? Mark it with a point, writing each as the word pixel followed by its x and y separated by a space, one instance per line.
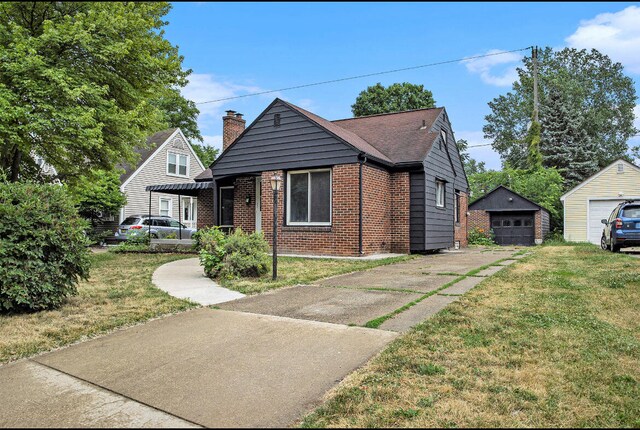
pixel 232 127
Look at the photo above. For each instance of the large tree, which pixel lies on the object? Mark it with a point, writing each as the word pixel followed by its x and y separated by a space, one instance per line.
pixel 600 93
pixel 394 98
pixel 82 84
pixel 568 147
pixel 471 166
pixel 206 153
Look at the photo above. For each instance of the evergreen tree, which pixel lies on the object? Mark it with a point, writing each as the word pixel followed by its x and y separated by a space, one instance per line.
pixel 534 157
pixel 566 144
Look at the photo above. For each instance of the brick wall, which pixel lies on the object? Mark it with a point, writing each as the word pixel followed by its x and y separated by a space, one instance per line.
pixel 376 210
pixel 244 215
pixel 205 208
pixel 478 219
pixel 460 229
pixel 400 212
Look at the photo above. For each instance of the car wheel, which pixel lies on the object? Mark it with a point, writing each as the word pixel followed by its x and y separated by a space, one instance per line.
pixel 603 243
pixel 154 236
pixel 614 248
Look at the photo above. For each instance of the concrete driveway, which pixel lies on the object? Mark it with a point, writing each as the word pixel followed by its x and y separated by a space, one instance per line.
pixel 261 361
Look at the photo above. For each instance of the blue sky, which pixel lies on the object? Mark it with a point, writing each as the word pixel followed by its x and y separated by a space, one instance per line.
pixel 240 48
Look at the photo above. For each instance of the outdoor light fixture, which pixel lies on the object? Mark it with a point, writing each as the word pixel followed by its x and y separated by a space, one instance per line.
pixel 248 200
pixel 276 181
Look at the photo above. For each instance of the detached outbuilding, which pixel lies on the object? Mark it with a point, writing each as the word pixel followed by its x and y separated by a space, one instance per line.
pixel 515 220
pixel 595 198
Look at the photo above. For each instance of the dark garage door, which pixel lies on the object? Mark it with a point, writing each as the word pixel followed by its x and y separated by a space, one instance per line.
pixel 513 228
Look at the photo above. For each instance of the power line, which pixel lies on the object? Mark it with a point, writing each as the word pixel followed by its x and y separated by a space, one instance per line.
pixel 364 76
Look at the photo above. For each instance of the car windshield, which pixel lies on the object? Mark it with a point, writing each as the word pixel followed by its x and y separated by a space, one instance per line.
pixel 131 221
pixel 631 212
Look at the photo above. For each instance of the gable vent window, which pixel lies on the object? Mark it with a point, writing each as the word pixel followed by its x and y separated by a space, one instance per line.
pixel 276 120
pixel 443 140
pixel 620 168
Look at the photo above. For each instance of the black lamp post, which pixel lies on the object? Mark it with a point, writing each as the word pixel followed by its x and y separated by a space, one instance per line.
pixel 276 181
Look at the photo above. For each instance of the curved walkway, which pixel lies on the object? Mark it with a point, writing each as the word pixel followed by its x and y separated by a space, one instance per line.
pixel 185 279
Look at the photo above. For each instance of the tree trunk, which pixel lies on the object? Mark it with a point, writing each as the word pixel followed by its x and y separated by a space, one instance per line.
pixel 15 165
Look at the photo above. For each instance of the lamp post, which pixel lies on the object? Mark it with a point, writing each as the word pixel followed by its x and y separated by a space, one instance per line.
pixel 276 181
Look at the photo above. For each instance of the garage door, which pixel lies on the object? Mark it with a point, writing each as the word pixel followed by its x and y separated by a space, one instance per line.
pixel 513 228
pixel 599 209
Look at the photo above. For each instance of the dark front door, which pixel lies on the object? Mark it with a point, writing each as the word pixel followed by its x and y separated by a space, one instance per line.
pixel 513 228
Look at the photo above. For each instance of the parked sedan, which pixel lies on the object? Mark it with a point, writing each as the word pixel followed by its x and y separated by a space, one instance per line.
pixel 161 227
pixel 622 228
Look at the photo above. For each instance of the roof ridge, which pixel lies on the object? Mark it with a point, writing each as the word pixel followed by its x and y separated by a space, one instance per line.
pixel 387 113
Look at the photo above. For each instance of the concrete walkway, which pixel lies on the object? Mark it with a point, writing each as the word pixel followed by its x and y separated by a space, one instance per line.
pixel 185 279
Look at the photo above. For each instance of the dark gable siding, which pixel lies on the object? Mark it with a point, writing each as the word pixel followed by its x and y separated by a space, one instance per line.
pixel 416 211
pixel 439 165
pixel 296 143
pixel 498 200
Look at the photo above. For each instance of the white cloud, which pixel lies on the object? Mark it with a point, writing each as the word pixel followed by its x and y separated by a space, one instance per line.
pixel 480 153
pixel 615 34
pixel 307 104
pixel 498 70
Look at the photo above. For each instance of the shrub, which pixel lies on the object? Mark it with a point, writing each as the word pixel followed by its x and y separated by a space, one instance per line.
pixel 480 236
pixel 209 242
pixel 233 255
pixel 245 255
pixel 43 246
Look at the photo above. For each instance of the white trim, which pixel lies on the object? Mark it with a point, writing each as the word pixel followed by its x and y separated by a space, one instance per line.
pixel 170 200
pixel 178 155
pixel 220 204
pixel 444 193
pixel 309 171
pixel 148 160
pixel 195 156
pixel 596 175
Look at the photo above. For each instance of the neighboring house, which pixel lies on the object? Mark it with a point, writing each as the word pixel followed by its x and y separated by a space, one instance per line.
pixel 515 220
pixel 595 198
pixel 167 158
pixel 375 184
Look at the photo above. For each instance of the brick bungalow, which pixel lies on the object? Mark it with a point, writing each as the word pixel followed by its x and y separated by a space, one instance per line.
pixel 375 184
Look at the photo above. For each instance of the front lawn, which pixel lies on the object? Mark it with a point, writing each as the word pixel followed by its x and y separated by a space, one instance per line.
pixel 119 292
pixel 296 270
pixel 551 341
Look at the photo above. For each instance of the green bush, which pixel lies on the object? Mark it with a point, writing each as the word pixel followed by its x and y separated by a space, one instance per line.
pixel 43 246
pixel 209 242
pixel 480 236
pixel 234 255
pixel 245 255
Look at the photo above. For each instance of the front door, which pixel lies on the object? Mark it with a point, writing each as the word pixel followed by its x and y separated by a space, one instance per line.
pixel 258 204
pixel 189 212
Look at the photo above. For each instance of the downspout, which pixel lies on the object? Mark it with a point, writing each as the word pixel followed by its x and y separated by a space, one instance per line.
pixel 362 158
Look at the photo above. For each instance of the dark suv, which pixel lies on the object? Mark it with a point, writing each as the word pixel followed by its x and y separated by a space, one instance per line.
pixel 622 229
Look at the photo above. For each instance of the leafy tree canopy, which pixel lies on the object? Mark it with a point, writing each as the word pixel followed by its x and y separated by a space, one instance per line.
pixel 82 84
pixel 394 98
pixel 206 153
pixel 598 91
pixel 470 165
pixel 97 193
pixel 542 186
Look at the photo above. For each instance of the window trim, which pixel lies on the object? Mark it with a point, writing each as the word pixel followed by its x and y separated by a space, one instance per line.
pixel 178 155
pixel 288 197
pixel 170 200
pixel 444 194
pixel 220 204
pixel 457 216
pixel 443 138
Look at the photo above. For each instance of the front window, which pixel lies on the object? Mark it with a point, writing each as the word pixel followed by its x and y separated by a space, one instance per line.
pixel 177 164
pixel 440 194
pixel 309 197
pixel 165 207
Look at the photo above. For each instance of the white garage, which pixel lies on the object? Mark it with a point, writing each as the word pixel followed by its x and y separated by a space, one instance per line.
pixel 598 210
pixel 594 199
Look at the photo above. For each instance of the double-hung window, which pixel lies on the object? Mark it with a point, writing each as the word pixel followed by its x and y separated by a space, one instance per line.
pixel 440 193
pixel 177 164
pixel 165 207
pixel 309 197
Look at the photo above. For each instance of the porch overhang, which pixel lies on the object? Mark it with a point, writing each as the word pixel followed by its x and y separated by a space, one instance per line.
pixel 188 189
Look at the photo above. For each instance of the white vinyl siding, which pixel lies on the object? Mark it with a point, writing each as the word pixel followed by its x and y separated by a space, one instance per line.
pixel 309 197
pixel 610 185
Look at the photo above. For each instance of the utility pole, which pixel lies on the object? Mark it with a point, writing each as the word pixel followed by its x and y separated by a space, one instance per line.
pixel 534 57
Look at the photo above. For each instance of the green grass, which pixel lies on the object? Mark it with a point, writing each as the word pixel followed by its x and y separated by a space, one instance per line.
pixel 551 341
pixel 297 270
pixel 119 292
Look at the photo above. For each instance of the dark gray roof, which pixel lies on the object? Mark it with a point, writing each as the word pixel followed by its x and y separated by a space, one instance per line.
pixel 184 189
pixel 206 175
pixel 153 142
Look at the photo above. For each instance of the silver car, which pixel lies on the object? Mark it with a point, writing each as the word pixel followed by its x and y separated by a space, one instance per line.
pixel 161 227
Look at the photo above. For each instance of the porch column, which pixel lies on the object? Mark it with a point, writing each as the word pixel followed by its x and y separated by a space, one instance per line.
pixel 179 217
